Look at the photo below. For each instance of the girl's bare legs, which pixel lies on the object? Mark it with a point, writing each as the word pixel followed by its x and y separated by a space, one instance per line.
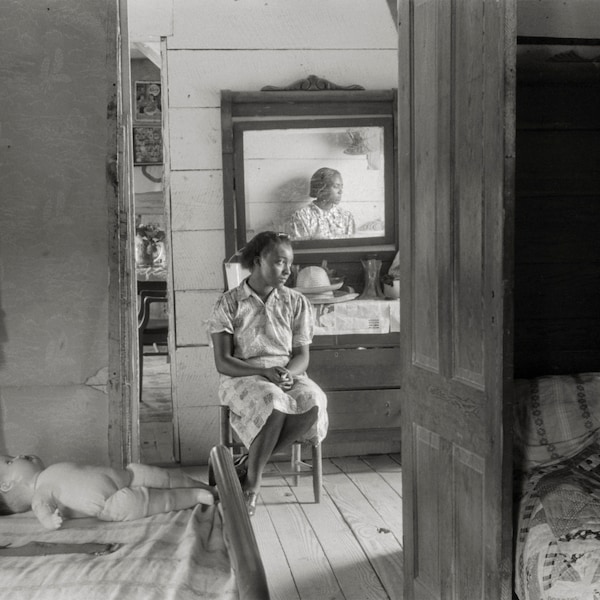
pixel 261 449
pixel 295 428
pixel 279 432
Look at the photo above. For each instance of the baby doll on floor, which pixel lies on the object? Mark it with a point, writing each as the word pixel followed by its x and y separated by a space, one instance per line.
pixel 68 490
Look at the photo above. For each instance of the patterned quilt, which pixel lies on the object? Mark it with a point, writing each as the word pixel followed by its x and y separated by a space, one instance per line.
pixel 557 555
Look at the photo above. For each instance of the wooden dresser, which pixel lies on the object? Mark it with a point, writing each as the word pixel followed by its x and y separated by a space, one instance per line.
pixel 361 376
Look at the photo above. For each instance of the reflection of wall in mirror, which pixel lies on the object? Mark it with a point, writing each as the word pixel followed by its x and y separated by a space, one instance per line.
pixel 278 165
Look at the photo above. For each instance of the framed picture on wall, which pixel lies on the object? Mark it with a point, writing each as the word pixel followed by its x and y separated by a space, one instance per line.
pixel 148 103
pixel 147 145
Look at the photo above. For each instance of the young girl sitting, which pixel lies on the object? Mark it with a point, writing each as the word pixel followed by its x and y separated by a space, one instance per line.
pixel 261 333
pixel 67 490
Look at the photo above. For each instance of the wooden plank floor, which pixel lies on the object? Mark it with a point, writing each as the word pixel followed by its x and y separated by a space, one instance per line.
pixel 348 547
pixel 157 441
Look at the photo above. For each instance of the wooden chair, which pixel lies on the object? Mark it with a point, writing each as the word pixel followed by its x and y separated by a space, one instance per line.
pixel 298 466
pixel 151 331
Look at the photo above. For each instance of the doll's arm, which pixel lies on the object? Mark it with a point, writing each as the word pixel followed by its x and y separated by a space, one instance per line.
pixel 45 509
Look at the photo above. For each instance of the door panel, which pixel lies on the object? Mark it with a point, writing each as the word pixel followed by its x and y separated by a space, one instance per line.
pixel 456 115
pixel 428 149
pixel 428 464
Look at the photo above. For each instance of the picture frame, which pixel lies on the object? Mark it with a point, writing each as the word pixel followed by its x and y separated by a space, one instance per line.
pixel 148 102
pixel 147 145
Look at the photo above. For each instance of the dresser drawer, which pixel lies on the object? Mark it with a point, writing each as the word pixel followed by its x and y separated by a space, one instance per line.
pixel 355 369
pixel 365 409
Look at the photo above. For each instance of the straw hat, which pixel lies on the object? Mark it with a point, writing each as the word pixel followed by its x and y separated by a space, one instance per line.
pixel 314 283
pixel 314 280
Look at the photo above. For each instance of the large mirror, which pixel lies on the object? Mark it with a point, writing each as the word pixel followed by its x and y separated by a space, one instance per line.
pixel 316 164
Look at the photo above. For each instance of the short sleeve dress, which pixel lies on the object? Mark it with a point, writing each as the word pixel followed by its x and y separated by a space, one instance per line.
pixel 314 223
pixel 264 334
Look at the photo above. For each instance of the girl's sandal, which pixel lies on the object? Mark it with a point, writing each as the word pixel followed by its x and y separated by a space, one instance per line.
pixel 251 498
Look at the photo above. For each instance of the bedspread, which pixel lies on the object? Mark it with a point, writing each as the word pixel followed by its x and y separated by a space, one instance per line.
pixel 172 556
pixel 557 554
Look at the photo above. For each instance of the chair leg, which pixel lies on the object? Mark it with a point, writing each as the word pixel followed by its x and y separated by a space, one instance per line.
pixel 296 462
pixel 317 471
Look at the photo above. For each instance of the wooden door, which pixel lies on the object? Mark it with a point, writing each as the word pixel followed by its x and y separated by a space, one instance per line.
pixel 456 139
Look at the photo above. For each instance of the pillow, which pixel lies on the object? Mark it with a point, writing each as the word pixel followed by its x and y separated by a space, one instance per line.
pixel 556 416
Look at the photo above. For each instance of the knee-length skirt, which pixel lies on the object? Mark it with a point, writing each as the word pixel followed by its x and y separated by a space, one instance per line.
pixel 252 399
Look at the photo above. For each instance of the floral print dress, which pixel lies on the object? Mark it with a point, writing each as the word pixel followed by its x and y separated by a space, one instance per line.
pixel 264 334
pixel 314 223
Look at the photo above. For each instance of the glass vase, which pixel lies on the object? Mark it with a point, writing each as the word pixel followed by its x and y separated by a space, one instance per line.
pixel 372 289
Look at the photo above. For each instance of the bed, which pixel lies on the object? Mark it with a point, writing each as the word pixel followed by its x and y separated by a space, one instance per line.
pixel 204 552
pixel 557 487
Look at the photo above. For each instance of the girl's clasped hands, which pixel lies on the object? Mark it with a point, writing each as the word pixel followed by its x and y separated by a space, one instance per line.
pixel 281 377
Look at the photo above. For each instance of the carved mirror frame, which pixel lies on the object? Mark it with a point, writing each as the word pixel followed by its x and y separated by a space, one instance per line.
pixel 306 109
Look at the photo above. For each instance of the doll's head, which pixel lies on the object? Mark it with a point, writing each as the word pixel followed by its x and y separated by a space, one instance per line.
pixel 18 475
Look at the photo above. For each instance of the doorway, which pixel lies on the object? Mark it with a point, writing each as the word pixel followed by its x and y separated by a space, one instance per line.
pixel 157 435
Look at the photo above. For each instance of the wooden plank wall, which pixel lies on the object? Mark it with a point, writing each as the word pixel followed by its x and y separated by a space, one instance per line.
pixel 557 270
pixel 240 46
pixel 61 392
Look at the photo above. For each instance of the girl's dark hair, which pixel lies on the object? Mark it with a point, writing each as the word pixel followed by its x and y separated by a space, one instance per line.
pixel 4 508
pixel 321 179
pixel 262 242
